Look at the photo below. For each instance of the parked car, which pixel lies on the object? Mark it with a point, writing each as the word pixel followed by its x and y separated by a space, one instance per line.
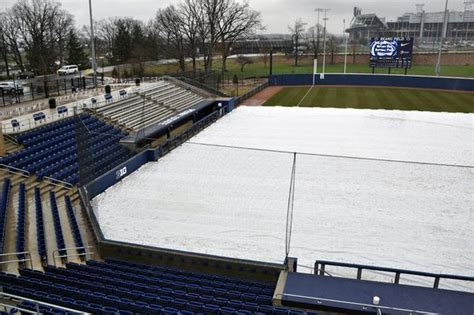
pixel 70 69
pixel 10 87
pixel 26 75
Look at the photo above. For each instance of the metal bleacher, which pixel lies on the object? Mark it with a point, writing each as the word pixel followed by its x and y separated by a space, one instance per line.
pixel 151 105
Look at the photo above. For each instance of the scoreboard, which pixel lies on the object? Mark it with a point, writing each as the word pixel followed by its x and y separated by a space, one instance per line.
pixel 391 52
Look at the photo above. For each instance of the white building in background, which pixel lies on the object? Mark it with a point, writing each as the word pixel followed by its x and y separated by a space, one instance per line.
pixel 423 26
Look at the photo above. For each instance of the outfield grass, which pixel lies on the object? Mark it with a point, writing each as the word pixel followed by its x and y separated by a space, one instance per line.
pixel 374 98
pixel 283 65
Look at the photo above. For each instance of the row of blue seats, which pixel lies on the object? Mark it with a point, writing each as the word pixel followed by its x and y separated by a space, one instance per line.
pixel 73 179
pixel 40 236
pixel 192 284
pixel 74 226
pixel 48 129
pixel 18 155
pixel 41 154
pixel 34 165
pixel 56 166
pixel 20 224
pixel 3 210
pixel 66 291
pixel 66 172
pixel 160 290
pixel 119 264
pixel 57 224
pixel 42 137
pixel 117 155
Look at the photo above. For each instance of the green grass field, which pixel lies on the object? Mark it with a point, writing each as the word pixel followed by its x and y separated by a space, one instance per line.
pixel 283 65
pixel 374 98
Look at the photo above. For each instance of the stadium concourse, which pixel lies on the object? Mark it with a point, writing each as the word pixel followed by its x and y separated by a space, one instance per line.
pixel 163 199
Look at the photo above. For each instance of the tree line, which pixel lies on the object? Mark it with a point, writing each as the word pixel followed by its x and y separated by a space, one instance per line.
pixel 39 35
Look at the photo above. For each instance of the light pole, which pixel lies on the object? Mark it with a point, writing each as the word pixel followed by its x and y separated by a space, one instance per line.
pixel 94 63
pixel 443 34
pixel 345 49
pixel 324 39
pixel 319 10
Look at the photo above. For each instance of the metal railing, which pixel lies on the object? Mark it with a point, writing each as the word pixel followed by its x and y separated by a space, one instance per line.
pixel 4 295
pixel 363 307
pixel 320 266
pixel 15 170
pixel 251 93
pixel 26 254
pixel 84 254
pixel 58 183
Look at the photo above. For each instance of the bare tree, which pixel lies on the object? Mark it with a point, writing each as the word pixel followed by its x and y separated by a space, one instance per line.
pixel 37 23
pixel 170 28
pixel 12 37
pixel 333 46
pixel 190 19
pixel 296 32
pixel 243 61
pixel 314 35
pixel 3 44
pixel 63 25
pixel 238 22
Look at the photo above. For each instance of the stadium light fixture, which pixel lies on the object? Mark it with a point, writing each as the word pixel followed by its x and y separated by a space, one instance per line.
pixel 443 34
pixel 94 62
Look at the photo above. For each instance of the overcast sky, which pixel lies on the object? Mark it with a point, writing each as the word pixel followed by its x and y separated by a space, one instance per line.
pixel 277 14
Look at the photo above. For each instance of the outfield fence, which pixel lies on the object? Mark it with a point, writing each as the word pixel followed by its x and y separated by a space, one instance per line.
pixel 423 82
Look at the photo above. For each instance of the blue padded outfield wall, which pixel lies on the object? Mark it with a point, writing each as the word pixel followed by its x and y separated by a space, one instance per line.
pixel 425 82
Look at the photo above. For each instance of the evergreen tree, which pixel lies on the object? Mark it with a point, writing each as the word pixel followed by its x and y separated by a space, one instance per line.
pixel 76 53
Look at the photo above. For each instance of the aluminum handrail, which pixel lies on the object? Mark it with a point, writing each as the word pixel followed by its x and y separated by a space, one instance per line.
pixel 55 252
pixel 15 170
pixel 17 260
pixel 17 297
pixel 57 182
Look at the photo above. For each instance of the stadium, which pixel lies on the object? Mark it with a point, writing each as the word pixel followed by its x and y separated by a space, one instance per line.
pixel 313 193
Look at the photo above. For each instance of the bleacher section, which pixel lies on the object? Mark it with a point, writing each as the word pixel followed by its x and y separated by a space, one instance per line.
pixel 119 287
pixel 20 224
pixel 41 240
pixel 74 226
pixel 57 224
pixel 154 104
pixel 3 210
pixel 51 151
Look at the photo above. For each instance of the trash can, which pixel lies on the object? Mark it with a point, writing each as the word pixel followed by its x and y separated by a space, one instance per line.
pixel 52 103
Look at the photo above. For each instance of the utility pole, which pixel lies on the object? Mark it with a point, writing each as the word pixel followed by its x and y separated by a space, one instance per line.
pixel 94 63
pixel 443 34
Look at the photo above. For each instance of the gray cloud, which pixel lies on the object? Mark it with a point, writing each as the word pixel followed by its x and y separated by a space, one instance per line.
pixel 277 14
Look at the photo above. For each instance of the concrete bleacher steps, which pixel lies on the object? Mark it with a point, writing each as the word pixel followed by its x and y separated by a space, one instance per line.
pixel 157 103
pixel 31 226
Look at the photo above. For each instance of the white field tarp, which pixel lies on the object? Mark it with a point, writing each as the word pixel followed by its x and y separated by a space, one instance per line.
pixel 209 197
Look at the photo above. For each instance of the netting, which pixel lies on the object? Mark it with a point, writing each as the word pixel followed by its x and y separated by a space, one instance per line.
pixel 265 205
